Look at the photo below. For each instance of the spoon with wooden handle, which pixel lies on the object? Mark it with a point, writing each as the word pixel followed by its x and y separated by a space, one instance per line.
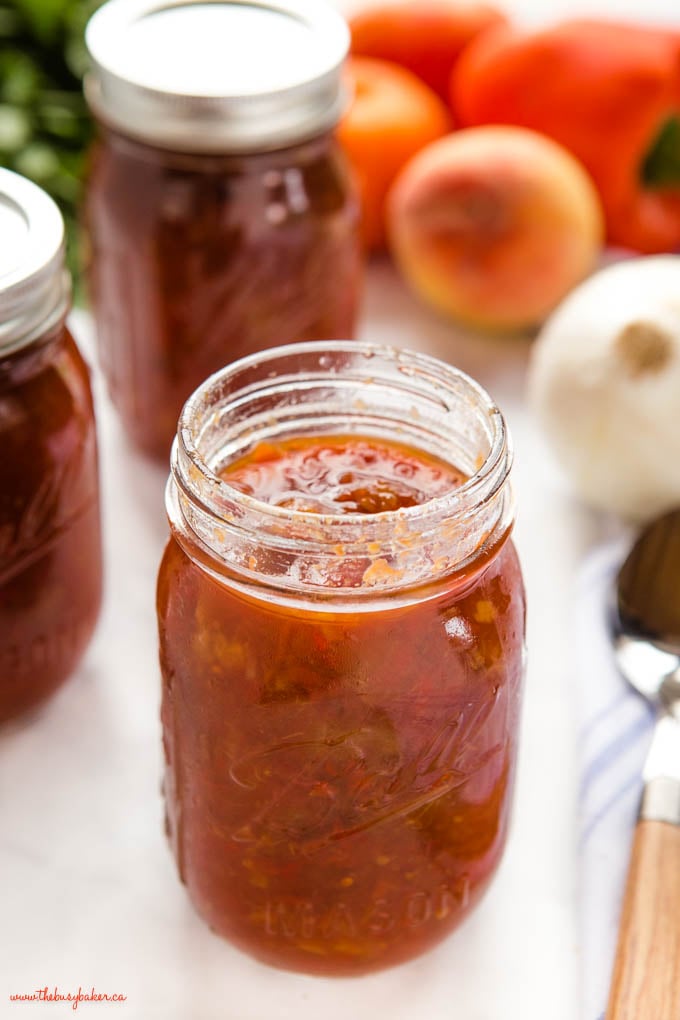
pixel 646 628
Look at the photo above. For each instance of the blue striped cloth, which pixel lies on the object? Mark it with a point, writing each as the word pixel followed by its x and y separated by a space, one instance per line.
pixel 614 735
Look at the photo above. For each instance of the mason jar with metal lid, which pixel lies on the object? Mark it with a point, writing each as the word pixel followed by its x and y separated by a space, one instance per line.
pixel 221 215
pixel 50 549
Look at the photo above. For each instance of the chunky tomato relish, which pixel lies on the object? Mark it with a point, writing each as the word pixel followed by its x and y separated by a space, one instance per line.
pixel 341 474
pixel 338 778
pixel 197 260
pixel 50 555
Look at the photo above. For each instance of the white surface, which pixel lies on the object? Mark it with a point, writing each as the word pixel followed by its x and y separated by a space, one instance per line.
pixel 88 891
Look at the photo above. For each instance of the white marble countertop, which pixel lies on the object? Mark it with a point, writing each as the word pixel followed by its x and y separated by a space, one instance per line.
pixel 89 894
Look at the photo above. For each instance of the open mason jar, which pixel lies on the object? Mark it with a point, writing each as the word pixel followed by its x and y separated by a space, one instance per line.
pixel 221 215
pixel 341 681
pixel 50 546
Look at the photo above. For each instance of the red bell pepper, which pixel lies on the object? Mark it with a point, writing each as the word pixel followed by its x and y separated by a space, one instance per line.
pixel 610 93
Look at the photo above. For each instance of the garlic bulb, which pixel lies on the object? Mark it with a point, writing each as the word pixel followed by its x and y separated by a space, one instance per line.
pixel 604 381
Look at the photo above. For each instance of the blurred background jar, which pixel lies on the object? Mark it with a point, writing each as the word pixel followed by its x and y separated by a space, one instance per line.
pixel 50 550
pixel 341 690
pixel 221 216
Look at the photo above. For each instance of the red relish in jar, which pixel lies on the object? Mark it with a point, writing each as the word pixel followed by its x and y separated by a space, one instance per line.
pixel 341 617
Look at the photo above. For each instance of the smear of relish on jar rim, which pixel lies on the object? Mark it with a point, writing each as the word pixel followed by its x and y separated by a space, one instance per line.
pixel 338 474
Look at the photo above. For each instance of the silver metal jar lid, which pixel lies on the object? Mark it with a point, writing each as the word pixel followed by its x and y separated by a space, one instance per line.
pixel 34 285
pixel 217 75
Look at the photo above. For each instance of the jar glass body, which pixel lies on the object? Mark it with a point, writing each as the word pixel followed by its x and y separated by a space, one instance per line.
pixel 199 259
pixel 50 544
pixel 339 758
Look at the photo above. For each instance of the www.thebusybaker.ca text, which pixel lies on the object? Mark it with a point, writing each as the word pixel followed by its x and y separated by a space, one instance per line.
pixel 54 995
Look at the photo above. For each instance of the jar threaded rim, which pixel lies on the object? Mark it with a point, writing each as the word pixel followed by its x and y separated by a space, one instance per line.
pixel 367 390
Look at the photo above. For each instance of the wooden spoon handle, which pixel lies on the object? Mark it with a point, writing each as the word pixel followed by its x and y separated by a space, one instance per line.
pixel 646 979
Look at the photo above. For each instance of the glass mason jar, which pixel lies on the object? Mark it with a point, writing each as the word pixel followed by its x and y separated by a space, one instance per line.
pixel 50 554
pixel 340 691
pixel 221 215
